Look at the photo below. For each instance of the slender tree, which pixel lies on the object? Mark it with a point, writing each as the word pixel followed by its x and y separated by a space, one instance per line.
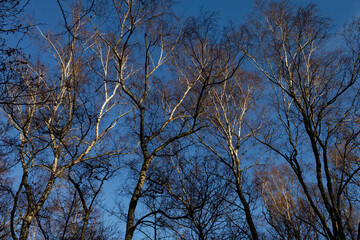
pixel 58 117
pixel 314 95
pixel 230 137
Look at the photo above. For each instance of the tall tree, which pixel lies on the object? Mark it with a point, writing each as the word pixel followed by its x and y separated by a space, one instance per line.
pixel 230 136
pixel 198 61
pixel 315 97
pixel 56 114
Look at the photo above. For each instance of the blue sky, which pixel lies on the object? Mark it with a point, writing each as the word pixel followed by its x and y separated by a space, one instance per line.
pixel 238 10
pixel 47 11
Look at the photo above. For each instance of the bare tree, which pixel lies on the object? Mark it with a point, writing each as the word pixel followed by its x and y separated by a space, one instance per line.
pixel 88 181
pixel 314 98
pixel 58 117
pixel 72 212
pixel 229 136
pixel 200 61
pixel 187 196
pixel 285 206
pixel 166 109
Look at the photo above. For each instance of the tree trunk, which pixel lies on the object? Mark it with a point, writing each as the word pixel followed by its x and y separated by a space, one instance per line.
pixel 34 210
pixel 247 211
pixel 130 228
pixel 25 227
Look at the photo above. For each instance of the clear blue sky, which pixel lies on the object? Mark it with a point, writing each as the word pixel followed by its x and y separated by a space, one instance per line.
pixel 47 11
pixel 237 10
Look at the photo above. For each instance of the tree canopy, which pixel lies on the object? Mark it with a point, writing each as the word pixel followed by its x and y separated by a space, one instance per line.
pixel 247 131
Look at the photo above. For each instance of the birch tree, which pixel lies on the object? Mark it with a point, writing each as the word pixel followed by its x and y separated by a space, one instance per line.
pixel 57 118
pixel 315 98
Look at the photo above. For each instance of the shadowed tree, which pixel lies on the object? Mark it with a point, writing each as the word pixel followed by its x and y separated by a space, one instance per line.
pixel 72 212
pixel 188 197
